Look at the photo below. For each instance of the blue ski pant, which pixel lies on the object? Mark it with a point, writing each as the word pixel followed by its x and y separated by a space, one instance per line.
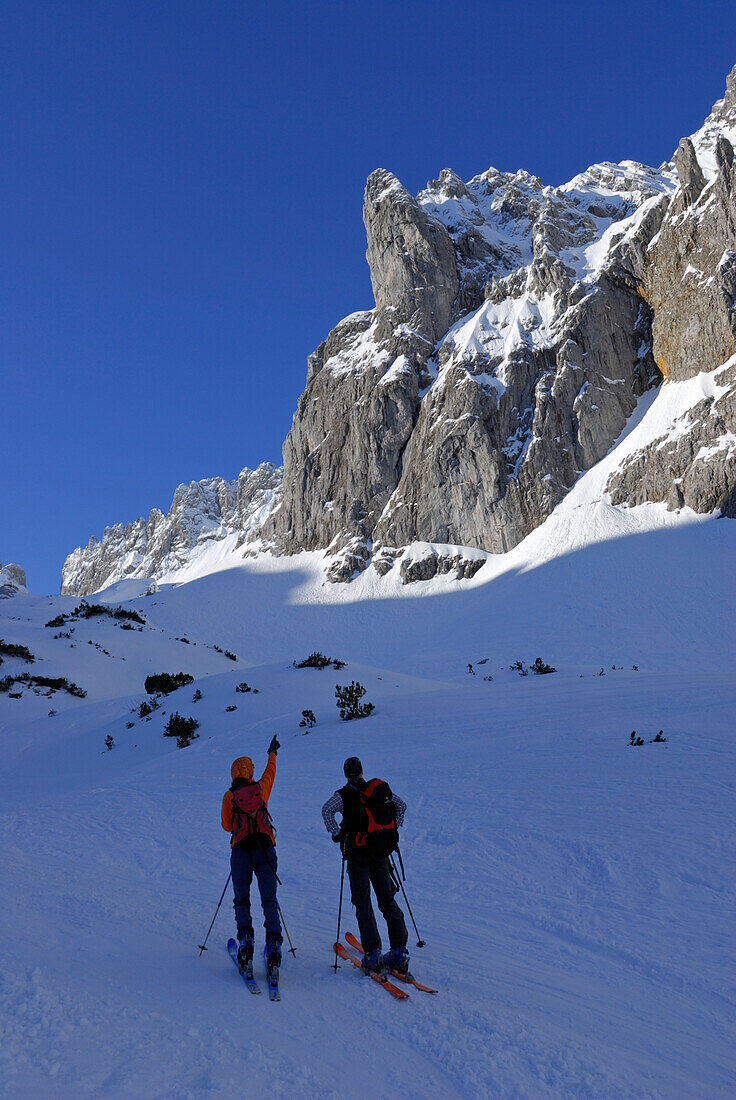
pixel 244 863
pixel 363 873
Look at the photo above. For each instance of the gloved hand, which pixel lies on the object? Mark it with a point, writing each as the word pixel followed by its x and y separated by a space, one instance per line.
pixel 274 746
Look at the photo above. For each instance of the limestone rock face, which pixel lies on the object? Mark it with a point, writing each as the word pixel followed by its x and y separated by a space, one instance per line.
pixel 690 284
pixel 516 326
pixel 411 257
pixel 694 464
pixel 507 348
pixel 200 512
pixel 12 580
pixel 690 280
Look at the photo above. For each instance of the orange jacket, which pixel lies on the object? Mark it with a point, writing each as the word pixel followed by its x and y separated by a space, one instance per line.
pixel 242 768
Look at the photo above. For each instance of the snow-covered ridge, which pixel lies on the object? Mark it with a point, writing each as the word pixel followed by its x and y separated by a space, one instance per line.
pixel 201 512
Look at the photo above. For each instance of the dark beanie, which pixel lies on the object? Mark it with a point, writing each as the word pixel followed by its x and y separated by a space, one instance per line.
pixel 352 767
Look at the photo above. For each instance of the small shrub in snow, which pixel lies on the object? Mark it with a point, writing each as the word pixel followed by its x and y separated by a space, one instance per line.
pixel 308 719
pixel 197 696
pixel 636 740
pixel 242 687
pixel 230 656
pixel 182 729
pixel 54 683
pixel 319 660
pixel 110 741
pixel 349 704
pixel 541 668
pixel 129 725
pixel 660 737
pixel 52 713
pixel 12 649
pixel 59 620
pixel 165 682
pixel 92 610
pixel 231 707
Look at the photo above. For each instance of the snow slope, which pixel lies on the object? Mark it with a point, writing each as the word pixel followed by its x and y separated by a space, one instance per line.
pixel 576 894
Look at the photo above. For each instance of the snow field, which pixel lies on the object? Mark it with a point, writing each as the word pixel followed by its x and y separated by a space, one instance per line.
pixel 575 893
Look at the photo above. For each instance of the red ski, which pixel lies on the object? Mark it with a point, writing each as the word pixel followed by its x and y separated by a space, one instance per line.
pixel 408 978
pixel 394 990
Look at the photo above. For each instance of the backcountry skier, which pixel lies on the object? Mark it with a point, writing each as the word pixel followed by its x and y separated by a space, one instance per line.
pixel 245 815
pixel 371 816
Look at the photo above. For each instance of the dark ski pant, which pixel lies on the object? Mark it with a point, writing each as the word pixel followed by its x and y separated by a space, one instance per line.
pixel 364 873
pixel 243 863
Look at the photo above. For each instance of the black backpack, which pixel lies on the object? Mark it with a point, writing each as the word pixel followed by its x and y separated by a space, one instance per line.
pixel 377 834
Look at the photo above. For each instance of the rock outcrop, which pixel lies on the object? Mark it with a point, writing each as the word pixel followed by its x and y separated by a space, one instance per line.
pixel 12 580
pixel 516 325
pixel 689 282
pixel 201 512
pixel 508 346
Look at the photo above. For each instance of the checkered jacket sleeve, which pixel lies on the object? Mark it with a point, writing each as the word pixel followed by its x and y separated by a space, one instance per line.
pixel 331 807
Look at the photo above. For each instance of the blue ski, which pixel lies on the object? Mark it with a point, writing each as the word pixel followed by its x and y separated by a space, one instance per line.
pixel 272 977
pixel 246 975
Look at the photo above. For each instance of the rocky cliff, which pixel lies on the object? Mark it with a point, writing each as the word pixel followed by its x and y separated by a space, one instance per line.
pixel 12 580
pixel 516 325
pixel 201 512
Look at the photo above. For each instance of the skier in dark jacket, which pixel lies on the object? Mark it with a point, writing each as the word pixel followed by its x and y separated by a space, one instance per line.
pixel 365 870
pixel 253 852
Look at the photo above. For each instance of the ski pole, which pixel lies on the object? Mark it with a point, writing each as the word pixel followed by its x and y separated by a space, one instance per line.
pixel 291 945
pixel 420 941
pixel 339 912
pixel 203 946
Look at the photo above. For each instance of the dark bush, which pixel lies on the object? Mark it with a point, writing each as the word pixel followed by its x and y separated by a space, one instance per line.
pixel 110 741
pixel 166 682
pixel 349 704
pixel 231 707
pixel 182 729
pixel 318 660
pixel 308 719
pixel 197 696
pixel 242 687
pixel 58 621
pixel 12 649
pixel 541 668
pixel 230 656
pixel 55 683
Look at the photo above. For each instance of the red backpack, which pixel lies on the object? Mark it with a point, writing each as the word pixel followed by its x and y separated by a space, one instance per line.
pixel 377 834
pixel 251 820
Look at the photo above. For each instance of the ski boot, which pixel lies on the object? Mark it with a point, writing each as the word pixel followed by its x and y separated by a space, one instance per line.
pixel 397 959
pixel 245 950
pixel 372 961
pixel 272 953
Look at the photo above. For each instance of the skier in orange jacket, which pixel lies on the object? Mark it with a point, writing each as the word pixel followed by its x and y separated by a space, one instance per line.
pixel 245 816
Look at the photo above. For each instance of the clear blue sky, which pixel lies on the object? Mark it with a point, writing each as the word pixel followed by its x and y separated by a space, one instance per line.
pixel 181 192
